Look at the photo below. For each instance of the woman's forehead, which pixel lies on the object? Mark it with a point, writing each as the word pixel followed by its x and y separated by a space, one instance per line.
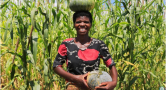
pixel 82 17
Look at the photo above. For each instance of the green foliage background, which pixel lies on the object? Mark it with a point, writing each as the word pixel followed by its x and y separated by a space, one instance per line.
pixel 31 32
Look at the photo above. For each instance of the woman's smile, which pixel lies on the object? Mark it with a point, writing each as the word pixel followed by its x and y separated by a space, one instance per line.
pixel 82 25
pixel 82 29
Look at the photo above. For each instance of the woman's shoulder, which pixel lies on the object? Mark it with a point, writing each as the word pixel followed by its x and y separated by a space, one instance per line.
pixel 97 40
pixel 68 39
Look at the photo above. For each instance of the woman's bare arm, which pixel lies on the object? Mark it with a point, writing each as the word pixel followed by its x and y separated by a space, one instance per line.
pixel 79 80
pixel 114 75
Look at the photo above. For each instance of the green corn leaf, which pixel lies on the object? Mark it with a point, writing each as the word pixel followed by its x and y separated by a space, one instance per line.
pixel 13 71
pixel 40 10
pixel 160 9
pixel 7 28
pixel 45 67
pixel 66 25
pixel 11 31
pixel 27 2
pixel 33 16
pixel 14 4
pixel 49 49
pixel 151 73
pixel 149 4
pixel 58 16
pixel 20 20
pixel 58 4
pixel 45 72
pixel 138 53
pixel 14 54
pixel 47 14
pixel 132 81
pixel 25 11
pixel 53 1
pixel 107 21
pixel 164 54
pixel 8 66
pixel 35 85
pixel 29 53
pixel 3 5
pixel 125 13
pixel 4 11
pixel 111 34
pixel 34 41
pixel 5 35
pixel 37 26
pixel 45 36
pixel 54 13
pixel 23 87
pixel 125 6
pixel 55 18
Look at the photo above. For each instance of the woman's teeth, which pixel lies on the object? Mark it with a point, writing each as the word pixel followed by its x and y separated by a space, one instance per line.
pixel 82 29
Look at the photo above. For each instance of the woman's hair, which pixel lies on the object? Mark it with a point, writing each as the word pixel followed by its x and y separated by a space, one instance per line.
pixel 82 13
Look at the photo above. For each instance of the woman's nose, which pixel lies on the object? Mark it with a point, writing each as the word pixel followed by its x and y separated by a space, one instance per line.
pixel 82 23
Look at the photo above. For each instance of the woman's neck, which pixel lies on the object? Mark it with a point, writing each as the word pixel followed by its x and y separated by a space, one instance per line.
pixel 83 39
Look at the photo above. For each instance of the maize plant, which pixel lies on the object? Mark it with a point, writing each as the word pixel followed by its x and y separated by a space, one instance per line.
pixel 32 30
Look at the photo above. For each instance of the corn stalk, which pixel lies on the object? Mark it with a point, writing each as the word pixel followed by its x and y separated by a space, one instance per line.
pixel 133 30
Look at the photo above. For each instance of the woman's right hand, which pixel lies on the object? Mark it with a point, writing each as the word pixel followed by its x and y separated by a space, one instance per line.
pixel 80 81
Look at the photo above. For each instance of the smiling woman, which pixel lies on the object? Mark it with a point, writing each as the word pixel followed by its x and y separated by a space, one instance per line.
pixel 82 25
pixel 82 55
pixel 133 30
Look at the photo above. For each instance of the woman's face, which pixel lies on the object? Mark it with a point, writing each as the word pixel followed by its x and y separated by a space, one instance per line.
pixel 82 25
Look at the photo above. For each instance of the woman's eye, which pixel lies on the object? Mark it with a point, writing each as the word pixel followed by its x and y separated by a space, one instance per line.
pixel 78 22
pixel 86 22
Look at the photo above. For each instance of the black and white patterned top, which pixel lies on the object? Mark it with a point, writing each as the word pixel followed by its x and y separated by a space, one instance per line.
pixel 82 61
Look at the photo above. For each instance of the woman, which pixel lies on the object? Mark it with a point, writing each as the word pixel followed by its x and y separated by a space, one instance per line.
pixel 82 54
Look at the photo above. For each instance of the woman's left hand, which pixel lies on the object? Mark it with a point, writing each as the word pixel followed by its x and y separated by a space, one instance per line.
pixel 80 81
pixel 106 86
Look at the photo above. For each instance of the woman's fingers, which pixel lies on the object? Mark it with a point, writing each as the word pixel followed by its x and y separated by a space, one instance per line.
pixel 101 88
pixel 82 81
pixel 85 75
pixel 103 84
pixel 85 79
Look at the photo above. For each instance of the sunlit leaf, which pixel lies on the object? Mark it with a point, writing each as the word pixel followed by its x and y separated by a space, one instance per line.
pixel 35 43
pixel 34 10
pixel 35 85
pixel 132 80
pixel 3 5
pixel 29 53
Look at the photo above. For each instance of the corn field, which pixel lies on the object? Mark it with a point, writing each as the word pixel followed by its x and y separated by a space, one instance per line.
pixel 32 30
